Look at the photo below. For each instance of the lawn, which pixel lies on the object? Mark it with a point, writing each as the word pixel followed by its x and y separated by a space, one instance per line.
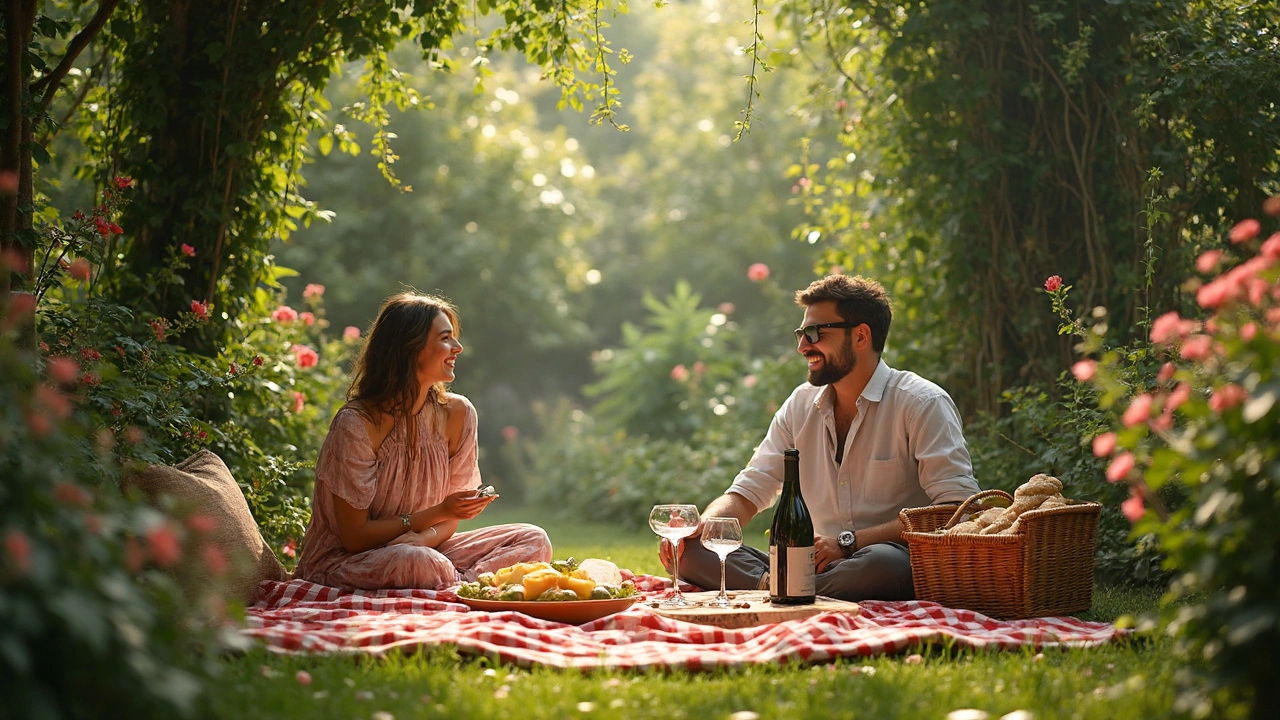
pixel 1126 680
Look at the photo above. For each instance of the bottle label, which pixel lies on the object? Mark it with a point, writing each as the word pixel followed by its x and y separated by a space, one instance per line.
pixel 800 571
pixel 800 581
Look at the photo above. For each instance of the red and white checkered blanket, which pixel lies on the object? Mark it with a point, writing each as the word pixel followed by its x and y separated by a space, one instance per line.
pixel 299 616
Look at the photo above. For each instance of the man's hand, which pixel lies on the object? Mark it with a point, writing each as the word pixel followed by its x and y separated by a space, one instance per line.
pixel 826 552
pixel 667 552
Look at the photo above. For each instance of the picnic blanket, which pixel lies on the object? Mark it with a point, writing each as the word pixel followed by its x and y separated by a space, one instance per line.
pixel 302 617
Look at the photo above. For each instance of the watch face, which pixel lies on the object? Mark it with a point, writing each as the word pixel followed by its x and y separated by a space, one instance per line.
pixel 844 539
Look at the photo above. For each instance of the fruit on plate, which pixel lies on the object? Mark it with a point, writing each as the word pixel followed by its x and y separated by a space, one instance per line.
pixel 515 574
pixel 592 579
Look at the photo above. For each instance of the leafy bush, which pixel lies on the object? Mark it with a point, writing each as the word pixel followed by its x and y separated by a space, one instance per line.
pixel 1207 428
pixel 261 404
pixel 682 407
pixel 95 617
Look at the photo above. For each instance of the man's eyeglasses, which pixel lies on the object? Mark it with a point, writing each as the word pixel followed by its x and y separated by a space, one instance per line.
pixel 813 333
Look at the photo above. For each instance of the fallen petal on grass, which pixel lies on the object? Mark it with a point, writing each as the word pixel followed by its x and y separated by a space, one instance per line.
pixel 968 714
pixel 303 677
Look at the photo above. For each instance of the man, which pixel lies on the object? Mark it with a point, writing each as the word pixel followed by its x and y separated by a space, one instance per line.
pixel 872 440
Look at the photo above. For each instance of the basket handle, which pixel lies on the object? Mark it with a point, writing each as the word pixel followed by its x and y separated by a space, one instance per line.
pixel 959 513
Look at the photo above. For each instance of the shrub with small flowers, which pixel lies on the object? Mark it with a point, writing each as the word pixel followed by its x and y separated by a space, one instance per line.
pixel 1206 429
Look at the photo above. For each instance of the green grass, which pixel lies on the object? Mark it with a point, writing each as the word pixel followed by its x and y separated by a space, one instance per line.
pixel 1118 681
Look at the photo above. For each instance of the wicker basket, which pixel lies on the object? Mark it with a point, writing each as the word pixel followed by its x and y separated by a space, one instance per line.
pixel 1043 568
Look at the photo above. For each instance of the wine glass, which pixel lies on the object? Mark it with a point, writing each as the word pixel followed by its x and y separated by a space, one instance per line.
pixel 674 522
pixel 721 535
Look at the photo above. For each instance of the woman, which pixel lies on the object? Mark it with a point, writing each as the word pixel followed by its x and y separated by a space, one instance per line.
pixel 398 469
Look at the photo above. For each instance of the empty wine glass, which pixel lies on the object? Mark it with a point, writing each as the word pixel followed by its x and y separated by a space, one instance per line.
pixel 674 522
pixel 721 536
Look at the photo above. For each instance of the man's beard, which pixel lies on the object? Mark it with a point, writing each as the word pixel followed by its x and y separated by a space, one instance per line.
pixel 834 371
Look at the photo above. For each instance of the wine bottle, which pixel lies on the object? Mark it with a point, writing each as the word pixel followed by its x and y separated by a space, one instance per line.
pixel 791 549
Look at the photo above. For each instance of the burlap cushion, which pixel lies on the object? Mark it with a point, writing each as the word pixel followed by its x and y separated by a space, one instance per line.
pixel 203 484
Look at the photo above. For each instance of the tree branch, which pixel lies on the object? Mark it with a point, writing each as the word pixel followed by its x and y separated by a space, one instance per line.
pixel 49 83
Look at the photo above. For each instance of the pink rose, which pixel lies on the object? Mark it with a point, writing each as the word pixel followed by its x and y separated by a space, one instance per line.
pixel 163 544
pixel 71 494
pixel 80 269
pixel 1084 370
pixel 307 318
pixel 201 309
pixel 303 677
pixel 1217 292
pixel 1208 261
pixel 1120 467
pixel 313 290
pixel 1139 410
pixel 290 548
pixel 1271 248
pixel 53 401
pixel 699 367
pixel 680 373
pixel 350 333
pixel 1053 283
pixel 39 423
pixel 305 356
pixel 1197 347
pixel 1133 508
pixel 63 370
pixel 18 545
pixel 1166 373
pixel 750 381
pixel 202 523
pixel 1227 397
pixel 1104 444
pixel 284 314
pixel 1169 327
pixel 1245 230
pixel 510 433
pixel 299 402
pixel 188 250
pixel 758 272
pixel 727 308
pixel 214 559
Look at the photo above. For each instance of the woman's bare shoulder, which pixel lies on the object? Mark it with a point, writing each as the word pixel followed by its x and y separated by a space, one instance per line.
pixel 459 409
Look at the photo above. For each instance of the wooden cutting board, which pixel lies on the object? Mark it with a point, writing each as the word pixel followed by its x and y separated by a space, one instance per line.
pixel 758 610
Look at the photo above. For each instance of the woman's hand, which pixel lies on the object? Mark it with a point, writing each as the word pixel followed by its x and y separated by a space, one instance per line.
pixel 464 505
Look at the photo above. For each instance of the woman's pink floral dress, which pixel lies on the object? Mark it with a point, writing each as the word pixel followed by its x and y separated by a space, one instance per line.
pixel 390 483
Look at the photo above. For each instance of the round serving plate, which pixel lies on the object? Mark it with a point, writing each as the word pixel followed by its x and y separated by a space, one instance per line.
pixel 571 612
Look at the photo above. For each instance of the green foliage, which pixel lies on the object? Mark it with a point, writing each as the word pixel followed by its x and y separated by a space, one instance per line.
pixel 97 612
pixel 663 431
pixel 1206 428
pixel 991 145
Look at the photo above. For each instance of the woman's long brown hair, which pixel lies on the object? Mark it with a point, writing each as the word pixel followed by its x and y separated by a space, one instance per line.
pixel 385 378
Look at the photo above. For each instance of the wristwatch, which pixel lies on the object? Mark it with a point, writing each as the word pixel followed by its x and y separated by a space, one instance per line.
pixel 848 542
pixel 405 519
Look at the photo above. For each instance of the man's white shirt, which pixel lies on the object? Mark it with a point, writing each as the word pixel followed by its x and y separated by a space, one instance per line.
pixel 904 449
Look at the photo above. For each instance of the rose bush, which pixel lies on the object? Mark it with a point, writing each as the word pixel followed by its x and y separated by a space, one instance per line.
pixel 1204 430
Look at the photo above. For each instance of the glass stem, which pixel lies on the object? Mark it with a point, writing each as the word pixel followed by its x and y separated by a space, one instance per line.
pixel 723 595
pixel 675 569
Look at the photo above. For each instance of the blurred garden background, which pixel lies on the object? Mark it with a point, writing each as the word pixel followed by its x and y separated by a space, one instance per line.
pixel 204 204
